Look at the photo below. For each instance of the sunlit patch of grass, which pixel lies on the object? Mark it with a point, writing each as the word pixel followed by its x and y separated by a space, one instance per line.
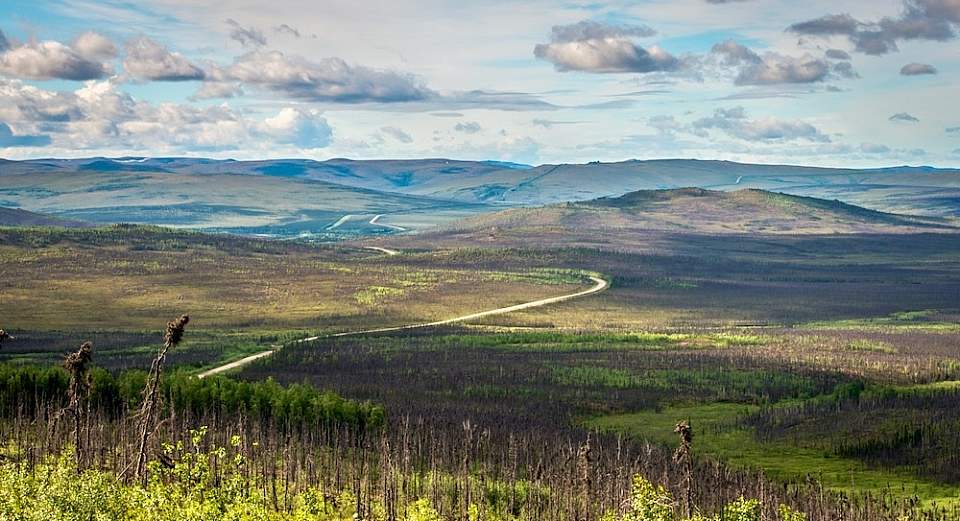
pixel 542 276
pixel 922 320
pixel 872 346
pixel 718 435
pixel 376 295
pixel 911 316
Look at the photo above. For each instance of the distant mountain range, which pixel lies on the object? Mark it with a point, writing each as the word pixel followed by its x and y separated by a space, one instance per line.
pixel 304 196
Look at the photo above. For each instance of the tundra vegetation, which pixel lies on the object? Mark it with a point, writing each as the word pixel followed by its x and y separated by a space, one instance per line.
pixel 740 378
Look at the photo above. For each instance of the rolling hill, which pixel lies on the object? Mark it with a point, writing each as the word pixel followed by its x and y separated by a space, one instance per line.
pixel 304 196
pixel 641 218
pixel 108 191
pixel 18 217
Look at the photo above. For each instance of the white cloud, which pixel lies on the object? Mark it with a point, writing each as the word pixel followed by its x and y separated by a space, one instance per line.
pixel 734 122
pixel 305 129
pixel 95 46
pixel 86 58
pixel 330 79
pixel 596 47
pixel 932 20
pixel 148 60
pixel 99 115
pixel 772 68
pixel 217 90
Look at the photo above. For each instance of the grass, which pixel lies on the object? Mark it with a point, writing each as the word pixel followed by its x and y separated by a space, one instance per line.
pixel 202 349
pixel 125 277
pixel 755 386
pixel 873 346
pixel 717 435
pixel 921 320
pixel 566 341
pixel 376 295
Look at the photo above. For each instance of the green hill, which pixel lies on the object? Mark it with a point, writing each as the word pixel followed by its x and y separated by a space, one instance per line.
pixel 18 217
pixel 641 217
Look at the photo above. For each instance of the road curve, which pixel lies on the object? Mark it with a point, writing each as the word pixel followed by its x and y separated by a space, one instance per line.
pixel 376 222
pixel 598 286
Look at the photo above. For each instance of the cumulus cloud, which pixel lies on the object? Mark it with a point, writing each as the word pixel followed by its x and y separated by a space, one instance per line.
pixel 86 58
pixel 397 134
pixel 330 79
pixel 590 30
pixel 933 20
pixel 95 46
pixel 23 102
pixel 603 48
pixel 217 90
pixel 734 122
pixel 774 68
pixel 149 61
pixel 468 127
pixel 304 129
pixel 9 140
pixel 100 115
pixel 903 117
pixel 917 69
pixel 247 36
pixel 326 80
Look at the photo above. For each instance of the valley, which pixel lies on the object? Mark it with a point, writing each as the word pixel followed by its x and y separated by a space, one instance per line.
pixel 748 313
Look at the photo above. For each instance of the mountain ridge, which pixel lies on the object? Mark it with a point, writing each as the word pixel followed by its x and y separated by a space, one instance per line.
pixel 281 190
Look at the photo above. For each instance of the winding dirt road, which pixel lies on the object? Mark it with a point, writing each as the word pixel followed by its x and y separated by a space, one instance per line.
pixel 598 286
pixel 376 222
pixel 339 222
pixel 387 251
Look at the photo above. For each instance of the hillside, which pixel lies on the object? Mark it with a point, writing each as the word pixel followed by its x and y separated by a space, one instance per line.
pixel 18 217
pixel 640 217
pixel 292 196
pixel 924 191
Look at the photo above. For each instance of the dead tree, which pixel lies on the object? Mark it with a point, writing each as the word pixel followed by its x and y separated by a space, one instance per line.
pixel 78 365
pixel 684 460
pixel 151 394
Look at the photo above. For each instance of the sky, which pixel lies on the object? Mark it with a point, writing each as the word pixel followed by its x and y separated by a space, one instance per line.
pixel 859 83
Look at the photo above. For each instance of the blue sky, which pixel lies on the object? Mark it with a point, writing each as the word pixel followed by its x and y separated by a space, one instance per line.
pixel 839 82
